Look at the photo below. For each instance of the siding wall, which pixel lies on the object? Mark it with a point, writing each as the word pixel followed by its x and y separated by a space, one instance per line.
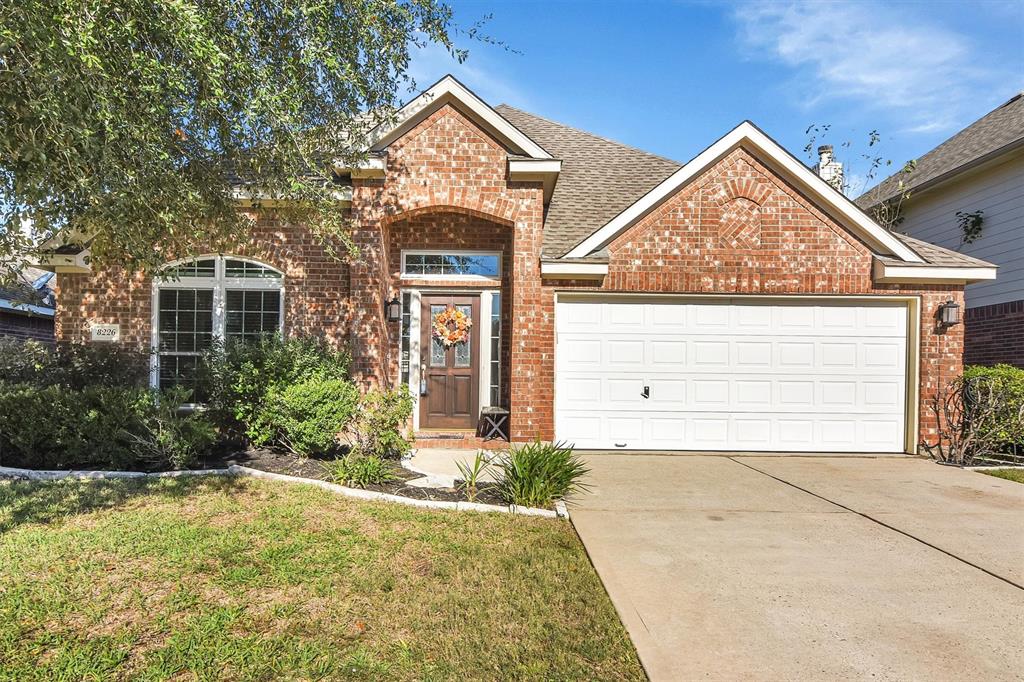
pixel 999 192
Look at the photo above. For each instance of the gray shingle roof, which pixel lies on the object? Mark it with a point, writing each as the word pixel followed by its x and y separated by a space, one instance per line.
pixel 1000 129
pixel 599 178
pixel 935 255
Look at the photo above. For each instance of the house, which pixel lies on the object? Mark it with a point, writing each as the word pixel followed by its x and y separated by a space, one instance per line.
pixel 974 179
pixel 614 299
pixel 27 308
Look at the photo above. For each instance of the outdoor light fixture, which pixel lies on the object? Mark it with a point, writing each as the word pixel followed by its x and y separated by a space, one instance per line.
pixel 949 313
pixel 393 310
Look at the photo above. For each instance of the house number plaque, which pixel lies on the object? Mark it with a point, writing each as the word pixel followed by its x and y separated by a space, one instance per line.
pixel 105 333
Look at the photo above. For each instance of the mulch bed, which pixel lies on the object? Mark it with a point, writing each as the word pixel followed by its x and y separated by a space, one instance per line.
pixel 283 462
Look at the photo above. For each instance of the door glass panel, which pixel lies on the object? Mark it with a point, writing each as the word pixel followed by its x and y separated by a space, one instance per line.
pixel 462 350
pixel 437 349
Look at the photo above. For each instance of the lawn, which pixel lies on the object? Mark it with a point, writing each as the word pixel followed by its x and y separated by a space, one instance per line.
pixel 220 578
pixel 1009 474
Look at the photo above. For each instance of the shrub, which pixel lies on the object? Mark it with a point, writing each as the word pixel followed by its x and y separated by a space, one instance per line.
pixel 95 428
pixel 379 428
pixel 536 474
pixel 1006 426
pixel 170 439
pixel 359 471
pixel 72 365
pixel 236 379
pixel 308 416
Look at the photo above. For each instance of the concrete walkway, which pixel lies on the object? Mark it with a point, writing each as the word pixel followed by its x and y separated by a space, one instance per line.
pixel 780 568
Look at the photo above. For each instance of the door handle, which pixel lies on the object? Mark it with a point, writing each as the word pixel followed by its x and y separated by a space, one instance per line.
pixel 423 379
pixel 646 393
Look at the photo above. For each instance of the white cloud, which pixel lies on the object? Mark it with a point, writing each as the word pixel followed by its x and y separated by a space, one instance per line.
pixel 869 53
pixel 429 64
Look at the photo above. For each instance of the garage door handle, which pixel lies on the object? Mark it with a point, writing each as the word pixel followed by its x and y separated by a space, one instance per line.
pixel 646 393
pixel 620 445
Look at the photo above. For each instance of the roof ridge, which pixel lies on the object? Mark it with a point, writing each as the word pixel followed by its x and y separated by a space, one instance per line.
pixel 590 134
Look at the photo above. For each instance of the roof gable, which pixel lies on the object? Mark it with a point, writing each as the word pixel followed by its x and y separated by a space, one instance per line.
pixel 779 161
pixel 448 90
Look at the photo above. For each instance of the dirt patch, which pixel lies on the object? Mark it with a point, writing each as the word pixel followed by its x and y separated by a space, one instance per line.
pixel 283 462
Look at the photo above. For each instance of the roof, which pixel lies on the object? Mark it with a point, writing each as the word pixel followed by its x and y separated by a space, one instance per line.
pixel 32 293
pixel 995 133
pixel 934 255
pixel 599 178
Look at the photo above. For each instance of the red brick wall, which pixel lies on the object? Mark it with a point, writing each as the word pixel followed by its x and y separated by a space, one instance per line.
pixel 444 166
pixel 316 290
pixel 739 229
pixel 455 231
pixel 995 334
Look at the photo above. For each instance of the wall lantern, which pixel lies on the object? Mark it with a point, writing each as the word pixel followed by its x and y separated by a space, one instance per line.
pixel 393 310
pixel 949 313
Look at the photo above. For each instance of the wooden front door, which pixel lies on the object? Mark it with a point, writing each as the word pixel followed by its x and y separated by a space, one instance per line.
pixel 450 373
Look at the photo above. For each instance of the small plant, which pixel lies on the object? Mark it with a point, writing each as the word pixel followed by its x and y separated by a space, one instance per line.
pixel 471 474
pixel 970 223
pixel 536 474
pixel 359 471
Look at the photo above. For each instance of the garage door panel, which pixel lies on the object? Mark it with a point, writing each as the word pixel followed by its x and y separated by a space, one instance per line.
pixel 731 376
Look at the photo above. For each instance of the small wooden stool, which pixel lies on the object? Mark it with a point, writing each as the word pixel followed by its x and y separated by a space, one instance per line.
pixel 494 423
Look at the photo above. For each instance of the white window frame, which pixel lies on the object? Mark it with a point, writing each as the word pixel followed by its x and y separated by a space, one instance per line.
pixel 450 252
pixel 219 283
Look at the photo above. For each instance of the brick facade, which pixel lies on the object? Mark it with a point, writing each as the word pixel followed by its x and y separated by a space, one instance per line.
pixel 26 327
pixel 995 334
pixel 737 229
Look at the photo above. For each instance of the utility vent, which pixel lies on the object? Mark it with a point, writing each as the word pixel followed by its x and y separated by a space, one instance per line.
pixel 830 170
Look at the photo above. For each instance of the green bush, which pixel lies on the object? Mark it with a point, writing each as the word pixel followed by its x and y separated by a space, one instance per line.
pixel 1007 423
pixel 307 416
pixel 114 428
pixel 72 365
pixel 536 474
pixel 237 379
pixel 359 471
pixel 379 429
pixel 170 439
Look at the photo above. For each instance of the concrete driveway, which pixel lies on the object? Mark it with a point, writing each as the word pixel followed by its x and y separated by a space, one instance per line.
pixel 777 568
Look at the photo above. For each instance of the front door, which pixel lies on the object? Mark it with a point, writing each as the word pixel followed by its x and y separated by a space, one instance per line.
pixel 449 367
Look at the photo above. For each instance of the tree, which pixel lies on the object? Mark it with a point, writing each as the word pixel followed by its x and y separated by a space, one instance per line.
pixel 885 210
pixel 128 124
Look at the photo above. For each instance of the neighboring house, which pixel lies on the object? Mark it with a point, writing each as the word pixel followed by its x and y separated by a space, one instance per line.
pixel 980 169
pixel 618 299
pixel 27 308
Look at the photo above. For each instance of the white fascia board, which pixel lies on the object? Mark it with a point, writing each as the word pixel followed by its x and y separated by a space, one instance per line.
pixel 747 133
pixel 371 167
pixel 574 270
pixel 447 90
pixel 921 274
pixel 534 166
pixel 76 263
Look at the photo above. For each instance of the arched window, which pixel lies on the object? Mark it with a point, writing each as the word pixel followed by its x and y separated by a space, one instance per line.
pixel 196 301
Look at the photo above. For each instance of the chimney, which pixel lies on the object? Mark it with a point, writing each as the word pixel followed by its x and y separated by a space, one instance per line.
pixel 830 170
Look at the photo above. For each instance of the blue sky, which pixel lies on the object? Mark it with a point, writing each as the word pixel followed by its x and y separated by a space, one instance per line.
pixel 672 77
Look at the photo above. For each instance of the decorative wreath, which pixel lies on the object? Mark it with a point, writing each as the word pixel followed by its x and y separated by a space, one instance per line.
pixel 451 326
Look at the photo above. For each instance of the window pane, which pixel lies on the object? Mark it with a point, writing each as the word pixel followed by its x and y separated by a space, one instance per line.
pixel 242 268
pixel 495 350
pixel 196 268
pixel 463 356
pixel 185 319
pixel 403 362
pixel 452 264
pixel 437 349
pixel 251 313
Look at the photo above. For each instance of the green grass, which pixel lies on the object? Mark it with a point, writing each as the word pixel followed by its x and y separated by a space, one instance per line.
pixel 1009 474
pixel 221 578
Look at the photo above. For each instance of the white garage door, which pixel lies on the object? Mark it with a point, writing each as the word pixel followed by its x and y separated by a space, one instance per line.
pixel 731 374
